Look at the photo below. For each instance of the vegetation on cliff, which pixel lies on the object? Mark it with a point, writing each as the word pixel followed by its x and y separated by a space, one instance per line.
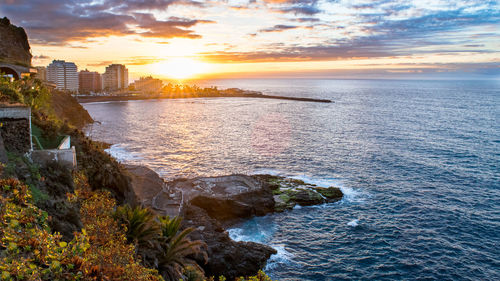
pixel 61 225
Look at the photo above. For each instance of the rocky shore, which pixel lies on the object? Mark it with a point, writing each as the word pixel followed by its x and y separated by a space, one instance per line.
pixel 212 204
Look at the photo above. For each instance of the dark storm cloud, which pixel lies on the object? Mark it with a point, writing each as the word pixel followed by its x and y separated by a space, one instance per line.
pixel 55 22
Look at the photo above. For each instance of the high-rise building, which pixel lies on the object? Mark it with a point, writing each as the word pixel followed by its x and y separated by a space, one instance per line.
pixel 41 73
pixel 89 81
pixel 63 74
pixel 115 77
pixel 148 85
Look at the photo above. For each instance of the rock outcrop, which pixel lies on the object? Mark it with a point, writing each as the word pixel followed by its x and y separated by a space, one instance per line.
pixel 287 192
pixel 225 256
pixel 210 204
pixel 151 191
pixel 14 45
pixel 227 198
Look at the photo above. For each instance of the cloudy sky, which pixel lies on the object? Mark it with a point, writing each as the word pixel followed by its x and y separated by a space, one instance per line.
pixel 279 38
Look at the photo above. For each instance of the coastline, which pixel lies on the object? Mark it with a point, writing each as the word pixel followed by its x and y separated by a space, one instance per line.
pixel 88 99
pixel 211 205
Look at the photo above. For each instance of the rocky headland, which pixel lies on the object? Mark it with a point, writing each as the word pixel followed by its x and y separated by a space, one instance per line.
pixel 212 204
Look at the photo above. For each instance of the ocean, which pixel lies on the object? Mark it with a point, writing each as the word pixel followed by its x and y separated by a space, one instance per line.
pixel 418 162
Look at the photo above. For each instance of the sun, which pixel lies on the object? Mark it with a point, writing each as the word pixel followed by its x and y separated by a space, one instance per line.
pixel 180 68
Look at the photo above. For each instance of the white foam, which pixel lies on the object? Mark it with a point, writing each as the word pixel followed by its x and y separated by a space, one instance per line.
pixel 353 223
pixel 236 234
pixel 296 207
pixel 282 257
pixel 351 195
pixel 266 172
pixel 252 231
pixel 122 154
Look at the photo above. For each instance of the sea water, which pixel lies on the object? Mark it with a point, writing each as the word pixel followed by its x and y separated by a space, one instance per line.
pixel 418 162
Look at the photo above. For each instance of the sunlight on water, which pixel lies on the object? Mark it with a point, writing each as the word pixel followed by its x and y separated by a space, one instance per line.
pixel 417 161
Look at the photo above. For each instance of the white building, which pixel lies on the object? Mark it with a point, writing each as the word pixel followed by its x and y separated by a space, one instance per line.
pixel 115 78
pixel 63 74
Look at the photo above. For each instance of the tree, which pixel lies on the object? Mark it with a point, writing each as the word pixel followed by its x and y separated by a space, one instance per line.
pixel 178 248
pixel 141 228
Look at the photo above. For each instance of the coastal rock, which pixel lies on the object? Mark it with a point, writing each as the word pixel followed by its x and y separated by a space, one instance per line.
pixel 228 198
pixel 307 197
pixel 210 204
pixel 152 192
pixel 225 256
pixel 290 192
pixel 331 194
pixel 145 182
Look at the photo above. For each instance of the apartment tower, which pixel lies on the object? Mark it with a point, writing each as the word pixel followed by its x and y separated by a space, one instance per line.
pixel 90 82
pixel 115 78
pixel 63 74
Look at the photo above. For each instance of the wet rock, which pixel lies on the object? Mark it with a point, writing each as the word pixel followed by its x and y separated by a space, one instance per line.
pixel 331 194
pixel 226 257
pixel 290 192
pixel 307 197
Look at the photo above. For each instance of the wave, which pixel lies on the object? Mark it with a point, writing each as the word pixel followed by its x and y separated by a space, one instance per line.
pixel 353 223
pixel 282 257
pixel 121 153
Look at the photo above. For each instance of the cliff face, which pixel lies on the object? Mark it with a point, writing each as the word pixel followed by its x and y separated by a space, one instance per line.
pixel 67 108
pixel 14 45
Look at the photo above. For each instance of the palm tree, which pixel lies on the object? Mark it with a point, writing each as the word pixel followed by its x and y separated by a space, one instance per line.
pixel 141 228
pixel 178 248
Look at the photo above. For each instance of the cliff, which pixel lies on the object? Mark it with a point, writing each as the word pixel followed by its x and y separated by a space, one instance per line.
pixel 66 108
pixel 14 45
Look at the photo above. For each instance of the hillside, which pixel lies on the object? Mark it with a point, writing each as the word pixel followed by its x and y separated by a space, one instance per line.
pixel 67 108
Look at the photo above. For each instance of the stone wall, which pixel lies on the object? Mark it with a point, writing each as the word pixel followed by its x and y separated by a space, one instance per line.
pixel 16 135
pixel 65 157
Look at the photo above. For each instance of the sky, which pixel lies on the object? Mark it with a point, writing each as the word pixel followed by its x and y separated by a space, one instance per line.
pixel 267 38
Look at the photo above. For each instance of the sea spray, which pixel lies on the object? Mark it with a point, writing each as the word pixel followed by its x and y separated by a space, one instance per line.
pixel 122 154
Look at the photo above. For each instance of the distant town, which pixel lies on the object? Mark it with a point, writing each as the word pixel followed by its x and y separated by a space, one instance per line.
pixel 63 75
